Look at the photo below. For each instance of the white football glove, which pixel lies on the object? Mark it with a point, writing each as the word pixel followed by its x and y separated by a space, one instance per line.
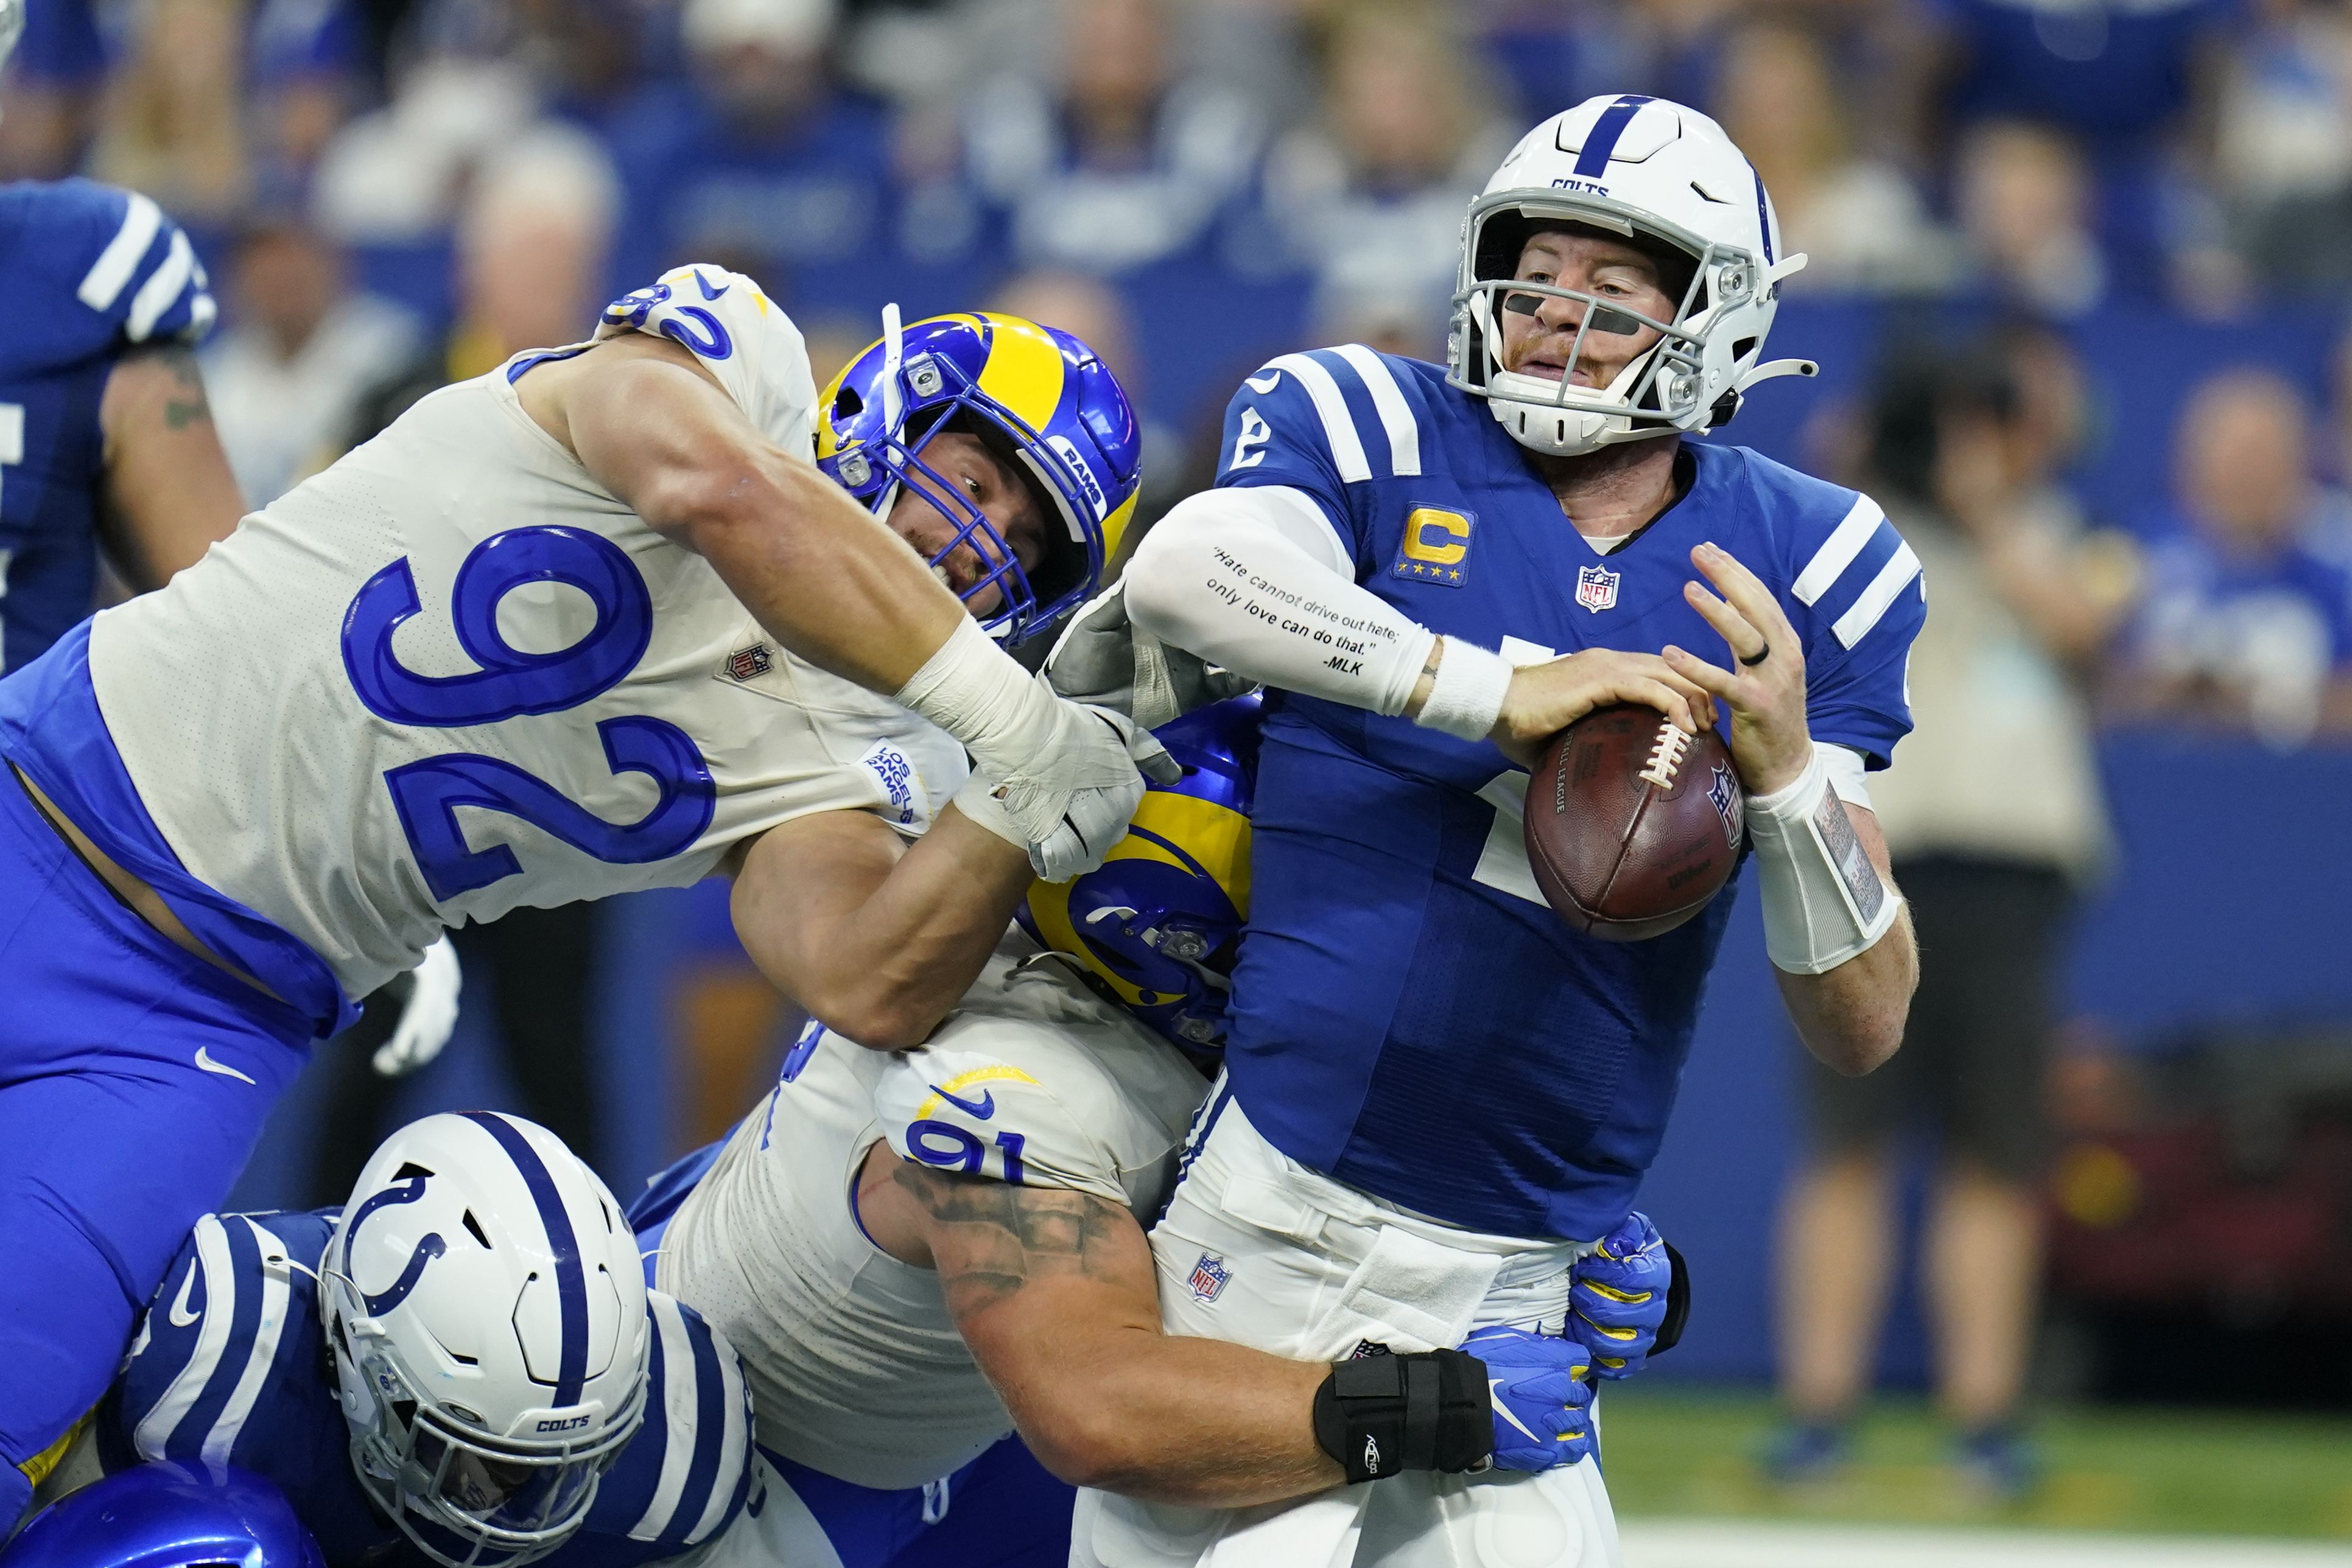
pixel 428 1017
pixel 1069 805
pixel 1105 659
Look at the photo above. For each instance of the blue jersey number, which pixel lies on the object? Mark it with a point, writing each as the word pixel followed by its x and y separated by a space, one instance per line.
pixel 510 683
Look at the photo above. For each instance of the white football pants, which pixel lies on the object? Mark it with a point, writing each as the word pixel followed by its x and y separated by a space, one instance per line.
pixel 1257 1250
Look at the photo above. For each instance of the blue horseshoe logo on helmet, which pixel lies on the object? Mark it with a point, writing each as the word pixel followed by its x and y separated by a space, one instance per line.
pixel 406 1191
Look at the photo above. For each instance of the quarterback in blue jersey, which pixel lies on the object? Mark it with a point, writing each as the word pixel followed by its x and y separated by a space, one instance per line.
pixel 392 1365
pixel 1433 568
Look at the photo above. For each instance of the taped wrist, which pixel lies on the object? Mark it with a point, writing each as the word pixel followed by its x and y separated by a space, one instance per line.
pixel 976 692
pixel 1466 696
pixel 1823 901
pixel 1382 1412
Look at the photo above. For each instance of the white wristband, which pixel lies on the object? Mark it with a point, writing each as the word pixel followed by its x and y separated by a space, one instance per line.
pixel 1465 697
pixel 972 689
pixel 1824 902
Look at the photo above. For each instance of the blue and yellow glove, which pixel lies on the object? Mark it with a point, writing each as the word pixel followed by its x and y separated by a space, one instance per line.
pixel 1620 1298
pixel 1542 1396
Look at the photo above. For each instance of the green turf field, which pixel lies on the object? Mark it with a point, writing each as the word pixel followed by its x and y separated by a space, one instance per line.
pixel 1679 1451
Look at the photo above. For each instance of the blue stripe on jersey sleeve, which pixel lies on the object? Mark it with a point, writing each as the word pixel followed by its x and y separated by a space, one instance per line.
pixel 1858 647
pixel 1322 421
pixel 103 270
pixel 244 1269
pixel 710 1433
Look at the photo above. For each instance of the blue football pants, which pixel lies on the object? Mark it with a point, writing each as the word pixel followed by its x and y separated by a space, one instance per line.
pixel 134 1078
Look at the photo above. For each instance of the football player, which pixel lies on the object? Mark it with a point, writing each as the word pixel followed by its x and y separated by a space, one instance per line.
pixel 591 622
pixel 919 1250
pixel 1435 569
pixel 465 1354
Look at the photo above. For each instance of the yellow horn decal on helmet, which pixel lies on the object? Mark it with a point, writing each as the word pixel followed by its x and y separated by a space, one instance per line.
pixel 1115 530
pixel 1215 838
pixel 1024 368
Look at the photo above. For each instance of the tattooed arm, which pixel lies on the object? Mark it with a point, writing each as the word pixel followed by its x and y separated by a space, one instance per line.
pixel 1055 1293
pixel 169 491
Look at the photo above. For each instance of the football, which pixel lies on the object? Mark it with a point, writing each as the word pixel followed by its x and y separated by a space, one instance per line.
pixel 1632 823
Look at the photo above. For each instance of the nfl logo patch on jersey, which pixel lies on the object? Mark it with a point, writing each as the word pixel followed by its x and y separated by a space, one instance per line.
pixel 1209 1277
pixel 750 663
pixel 1436 546
pixel 1596 587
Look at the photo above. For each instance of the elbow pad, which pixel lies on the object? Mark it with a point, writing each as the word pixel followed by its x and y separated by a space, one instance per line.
pixel 1382 1412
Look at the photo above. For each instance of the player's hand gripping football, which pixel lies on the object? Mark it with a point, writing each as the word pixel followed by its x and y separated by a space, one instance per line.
pixel 1764 686
pixel 1542 1395
pixel 1546 698
pixel 1617 1298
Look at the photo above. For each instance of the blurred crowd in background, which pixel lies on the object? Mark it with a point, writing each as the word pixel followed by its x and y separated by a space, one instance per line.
pixel 2020 212
pixel 399 192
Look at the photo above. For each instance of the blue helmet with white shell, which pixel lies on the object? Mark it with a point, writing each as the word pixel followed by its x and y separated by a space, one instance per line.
pixel 168 1515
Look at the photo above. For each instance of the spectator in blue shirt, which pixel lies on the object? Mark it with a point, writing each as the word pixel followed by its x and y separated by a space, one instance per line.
pixel 759 160
pixel 1113 160
pixel 2245 623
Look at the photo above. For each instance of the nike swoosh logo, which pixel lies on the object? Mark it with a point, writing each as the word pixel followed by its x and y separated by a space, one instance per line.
pixel 181 1316
pixel 980 1109
pixel 1267 385
pixel 1495 1397
pixel 703 284
pixel 204 1062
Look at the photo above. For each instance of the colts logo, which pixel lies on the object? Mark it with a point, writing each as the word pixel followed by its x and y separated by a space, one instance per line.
pixel 1436 546
pixel 405 1189
pixel 1596 587
pixel 1209 1277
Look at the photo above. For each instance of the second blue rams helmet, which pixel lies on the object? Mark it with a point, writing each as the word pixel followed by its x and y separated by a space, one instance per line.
pixel 1033 394
pixel 168 1516
pixel 1160 924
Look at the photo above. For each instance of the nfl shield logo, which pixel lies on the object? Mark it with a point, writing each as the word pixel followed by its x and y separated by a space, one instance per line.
pixel 1724 790
pixel 1209 1277
pixel 1596 587
pixel 750 663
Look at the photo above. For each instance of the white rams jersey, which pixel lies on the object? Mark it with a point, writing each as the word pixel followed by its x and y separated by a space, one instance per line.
pixel 453 674
pixel 855 1366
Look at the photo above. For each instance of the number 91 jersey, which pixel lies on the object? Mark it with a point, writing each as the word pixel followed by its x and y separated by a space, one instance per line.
pixel 453 674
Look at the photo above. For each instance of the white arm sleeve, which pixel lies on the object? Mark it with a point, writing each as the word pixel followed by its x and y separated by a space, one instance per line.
pixel 1256 581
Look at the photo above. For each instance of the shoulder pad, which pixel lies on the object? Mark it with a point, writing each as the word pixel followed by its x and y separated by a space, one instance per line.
pixel 1057 1099
pixel 1352 413
pixel 686 1474
pixel 740 335
pixel 110 271
pixel 238 1302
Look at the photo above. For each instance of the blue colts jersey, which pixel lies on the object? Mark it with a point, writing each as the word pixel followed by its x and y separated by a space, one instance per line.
pixel 1408 1015
pixel 93 271
pixel 231 1366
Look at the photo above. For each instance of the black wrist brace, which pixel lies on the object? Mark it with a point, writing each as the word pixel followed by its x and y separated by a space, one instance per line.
pixel 1382 1412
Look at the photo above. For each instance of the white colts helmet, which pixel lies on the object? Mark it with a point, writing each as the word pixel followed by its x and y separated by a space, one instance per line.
pixel 1655 173
pixel 486 1310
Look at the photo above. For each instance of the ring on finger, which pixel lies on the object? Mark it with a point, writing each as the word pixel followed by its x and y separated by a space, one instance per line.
pixel 1762 653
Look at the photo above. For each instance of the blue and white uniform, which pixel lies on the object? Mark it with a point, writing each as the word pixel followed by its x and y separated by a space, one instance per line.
pixel 1409 1016
pixel 451 675
pixel 93 272
pixel 883 1441
pixel 231 1366
pixel 1437 1095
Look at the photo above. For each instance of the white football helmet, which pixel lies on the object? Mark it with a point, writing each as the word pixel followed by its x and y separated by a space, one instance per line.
pixel 1653 171
pixel 486 1311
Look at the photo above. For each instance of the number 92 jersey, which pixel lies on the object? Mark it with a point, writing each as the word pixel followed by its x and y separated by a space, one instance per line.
pixel 93 272
pixel 453 674
pixel 1408 1015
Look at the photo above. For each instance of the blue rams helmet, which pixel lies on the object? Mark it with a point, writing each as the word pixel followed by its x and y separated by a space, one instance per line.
pixel 168 1516
pixel 1034 394
pixel 1160 924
